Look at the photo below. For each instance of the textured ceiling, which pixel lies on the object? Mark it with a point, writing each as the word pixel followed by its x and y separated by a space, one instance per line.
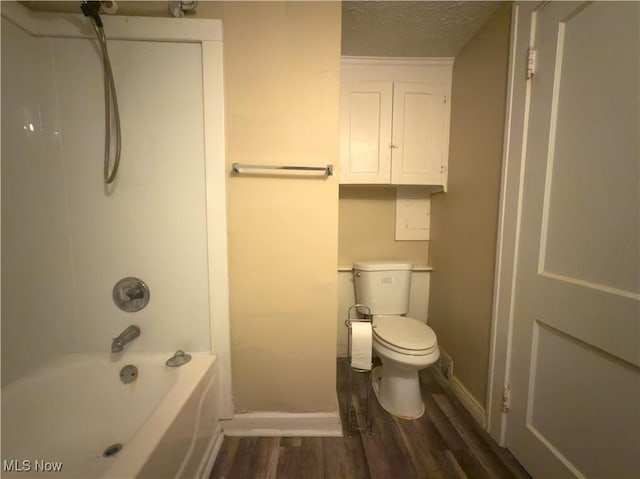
pixel 411 29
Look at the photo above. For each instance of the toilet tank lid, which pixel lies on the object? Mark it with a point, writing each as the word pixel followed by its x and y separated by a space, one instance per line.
pixel 382 266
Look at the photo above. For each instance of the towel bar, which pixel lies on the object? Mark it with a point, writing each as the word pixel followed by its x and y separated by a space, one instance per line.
pixel 328 170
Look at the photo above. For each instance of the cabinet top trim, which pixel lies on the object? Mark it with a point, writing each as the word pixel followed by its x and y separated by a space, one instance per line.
pixel 397 61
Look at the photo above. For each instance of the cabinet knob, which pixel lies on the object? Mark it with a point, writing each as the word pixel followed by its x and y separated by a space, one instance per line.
pixel 391 145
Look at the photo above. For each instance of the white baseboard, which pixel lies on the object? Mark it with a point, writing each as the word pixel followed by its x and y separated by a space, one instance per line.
pixel 284 424
pixel 210 456
pixel 469 402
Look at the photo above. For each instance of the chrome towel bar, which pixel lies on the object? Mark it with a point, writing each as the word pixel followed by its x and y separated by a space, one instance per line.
pixel 328 170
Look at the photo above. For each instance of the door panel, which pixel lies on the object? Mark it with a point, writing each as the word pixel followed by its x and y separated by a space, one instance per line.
pixel 575 375
pixel 569 399
pixel 592 168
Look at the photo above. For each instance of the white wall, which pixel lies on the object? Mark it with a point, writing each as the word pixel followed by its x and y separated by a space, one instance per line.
pixel 152 225
pixel 418 302
pixel 67 239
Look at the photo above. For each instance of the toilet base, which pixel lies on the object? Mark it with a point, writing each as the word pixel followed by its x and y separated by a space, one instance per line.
pixel 398 391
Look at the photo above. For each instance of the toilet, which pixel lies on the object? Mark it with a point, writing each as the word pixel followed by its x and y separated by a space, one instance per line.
pixel 404 345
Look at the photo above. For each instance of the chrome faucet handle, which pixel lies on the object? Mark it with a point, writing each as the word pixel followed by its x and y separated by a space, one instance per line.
pixel 134 292
pixel 131 294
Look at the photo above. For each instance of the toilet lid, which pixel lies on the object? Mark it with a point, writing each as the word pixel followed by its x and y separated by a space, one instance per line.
pixel 405 333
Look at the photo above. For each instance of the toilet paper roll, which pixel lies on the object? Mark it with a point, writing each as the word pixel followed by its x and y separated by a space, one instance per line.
pixel 361 345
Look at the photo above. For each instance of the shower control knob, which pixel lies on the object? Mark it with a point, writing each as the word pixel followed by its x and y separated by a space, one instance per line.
pixel 131 294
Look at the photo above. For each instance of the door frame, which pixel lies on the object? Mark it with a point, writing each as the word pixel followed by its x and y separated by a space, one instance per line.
pixel 509 218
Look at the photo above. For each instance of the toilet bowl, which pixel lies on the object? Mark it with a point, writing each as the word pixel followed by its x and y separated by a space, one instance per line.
pixel 404 345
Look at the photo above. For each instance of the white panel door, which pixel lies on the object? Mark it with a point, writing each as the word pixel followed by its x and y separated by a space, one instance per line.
pixel 420 134
pixel 365 132
pixel 575 376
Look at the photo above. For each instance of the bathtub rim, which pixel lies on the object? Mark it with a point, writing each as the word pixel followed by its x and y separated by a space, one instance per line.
pixel 139 448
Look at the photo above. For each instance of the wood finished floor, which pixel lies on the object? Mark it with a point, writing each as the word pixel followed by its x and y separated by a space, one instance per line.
pixel 444 443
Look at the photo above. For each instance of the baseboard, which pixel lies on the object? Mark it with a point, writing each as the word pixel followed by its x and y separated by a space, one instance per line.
pixel 469 402
pixel 284 424
pixel 210 456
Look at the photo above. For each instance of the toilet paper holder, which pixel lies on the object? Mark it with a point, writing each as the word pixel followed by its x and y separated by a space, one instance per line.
pixel 355 414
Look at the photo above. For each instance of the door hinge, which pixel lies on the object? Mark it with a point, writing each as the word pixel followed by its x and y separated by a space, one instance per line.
pixel 506 398
pixel 445 99
pixel 531 63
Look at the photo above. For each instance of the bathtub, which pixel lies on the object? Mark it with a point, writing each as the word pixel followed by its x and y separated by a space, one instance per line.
pixel 67 414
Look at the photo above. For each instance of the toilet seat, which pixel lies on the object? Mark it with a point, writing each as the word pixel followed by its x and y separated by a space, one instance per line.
pixel 405 335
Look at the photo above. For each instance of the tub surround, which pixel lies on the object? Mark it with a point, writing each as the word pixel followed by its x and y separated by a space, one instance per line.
pixel 34 210
pixel 73 238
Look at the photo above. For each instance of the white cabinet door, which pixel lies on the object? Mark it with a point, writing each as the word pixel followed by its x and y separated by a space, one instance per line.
pixel 365 132
pixel 420 134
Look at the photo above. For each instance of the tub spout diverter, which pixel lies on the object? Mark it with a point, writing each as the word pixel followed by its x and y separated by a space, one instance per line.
pixel 126 336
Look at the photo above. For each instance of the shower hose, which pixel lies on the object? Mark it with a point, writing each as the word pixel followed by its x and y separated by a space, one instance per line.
pixel 109 99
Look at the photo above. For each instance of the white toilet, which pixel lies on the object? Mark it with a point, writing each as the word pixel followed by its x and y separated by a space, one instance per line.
pixel 405 345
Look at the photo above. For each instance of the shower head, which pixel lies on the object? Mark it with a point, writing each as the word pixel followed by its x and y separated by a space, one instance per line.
pixel 91 9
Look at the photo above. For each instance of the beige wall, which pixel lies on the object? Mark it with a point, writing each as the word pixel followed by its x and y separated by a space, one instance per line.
pixel 464 220
pixel 367 228
pixel 282 63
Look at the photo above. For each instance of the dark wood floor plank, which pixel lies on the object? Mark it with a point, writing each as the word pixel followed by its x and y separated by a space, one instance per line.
pixel 445 443
pixel 341 385
pixel 387 456
pixel 226 456
pixel 510 462
pixel 420 446
pixel 431 385
pixel 257 458
pixel 479 448
pixel 458 472
pixel 344 458
pixel 301 454
pixel 472 466
pixel 503 457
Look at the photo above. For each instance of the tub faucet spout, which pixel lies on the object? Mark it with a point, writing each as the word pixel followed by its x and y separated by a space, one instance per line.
pixel 126 336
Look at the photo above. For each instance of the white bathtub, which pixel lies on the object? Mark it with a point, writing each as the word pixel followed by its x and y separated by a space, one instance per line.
pixel 70 411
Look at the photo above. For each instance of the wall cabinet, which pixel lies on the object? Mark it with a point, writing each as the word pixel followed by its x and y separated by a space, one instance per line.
pixel 394 122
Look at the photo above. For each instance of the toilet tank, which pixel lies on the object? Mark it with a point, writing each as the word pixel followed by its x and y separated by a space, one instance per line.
pixel 383 286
